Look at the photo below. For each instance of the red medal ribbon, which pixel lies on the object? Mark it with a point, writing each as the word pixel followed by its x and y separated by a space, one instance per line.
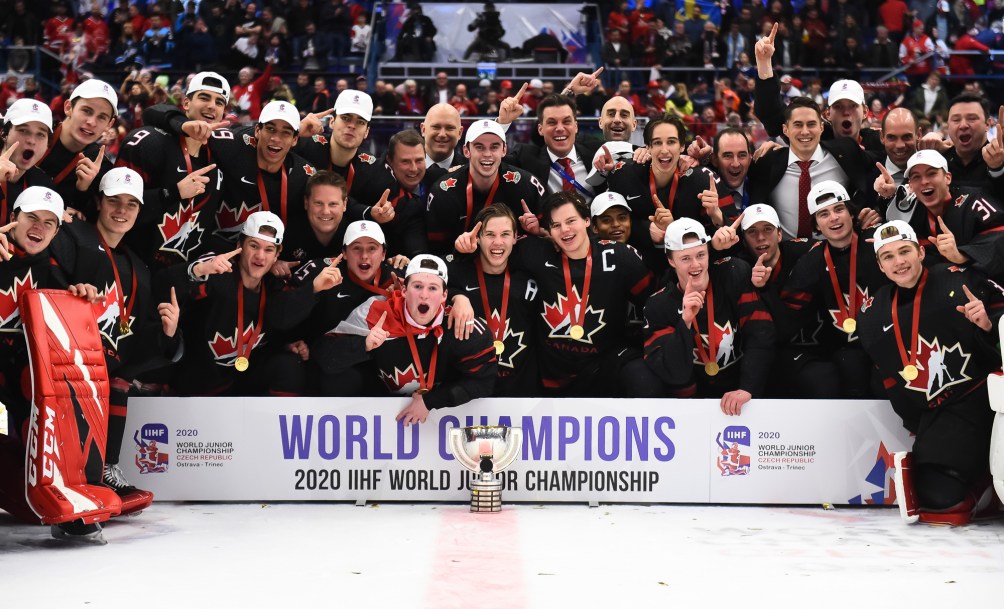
pixel 498 330
pixel 703 355
pixel 470 197
pixel 373 287
pixel 282 196
pixel 914 326
pixel 672 188
pixel 123 318
pixel 424 384
pixel 241 344
pixel 853 289
pixel 188 165
pixel 584 296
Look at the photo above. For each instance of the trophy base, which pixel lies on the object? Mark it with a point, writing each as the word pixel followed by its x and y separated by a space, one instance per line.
pixel 486 497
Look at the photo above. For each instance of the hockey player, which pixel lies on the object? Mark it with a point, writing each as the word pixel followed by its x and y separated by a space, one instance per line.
pixel 611 217
pixel 931 335
pixel 503 297
pixel 74 160
pixel 183 185
pixel 25 136
pixel 405 337
pixel 707 333
pixel 456 199
pixel 837 280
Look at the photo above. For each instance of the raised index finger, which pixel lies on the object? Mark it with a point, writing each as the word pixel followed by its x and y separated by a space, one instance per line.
pixel 1000 126
pixel 885 172
pixel 325 113
pixel 476 229
pixel 230 255
pixel 4 229
pixel 101 156
pixel 525 208
pixel 969 294
pixel 759 261
pixel 219 125
pixel 658 203
pixel 336 261
pixel 7 153
pixel 174 297
pixel 379 323
pixel 204 170
pixel 773 33
pixel 522 91
pixel 944 227
pixel 738 222
pixel 597 72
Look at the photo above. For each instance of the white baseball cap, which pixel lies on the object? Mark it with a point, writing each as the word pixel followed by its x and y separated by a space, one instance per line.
pixel 679 229
pixel 536 83
pixel 846 89
pixel 97 89
pixel 351 101
pixel 40 198
pixel 261 219
pixel 929 157
pixel 760 213
pixel 892 231
pixel 825 194
pixel 122 181
pixel 29 110
pixel 427 263
pixel 209 81
pixel 363 228
pixel 482 127
pixel 280 111
pixel 606 200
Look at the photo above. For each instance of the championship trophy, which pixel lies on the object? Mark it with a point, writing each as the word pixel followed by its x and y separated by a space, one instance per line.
pixel 488 450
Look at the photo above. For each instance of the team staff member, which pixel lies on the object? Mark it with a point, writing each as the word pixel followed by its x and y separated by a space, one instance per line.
pixel 660 183
pixel 183 185
pixel 707 333
pixel 238 312
pixel 503 297
pixel 931 335
pixel 74 160
pixel 319 232
pixel 457 198
pixel 414 354
pixel 835 280
pixel 405 167
pixel 25 136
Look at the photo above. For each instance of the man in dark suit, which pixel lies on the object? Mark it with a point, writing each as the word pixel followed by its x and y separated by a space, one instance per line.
pixel 441 130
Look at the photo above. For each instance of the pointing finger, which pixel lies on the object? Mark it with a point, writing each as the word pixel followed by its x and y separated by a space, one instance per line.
pixel 384 198
pixel 4 229
pixel 773 33
pixel 174 297
pixel 944 228
pixel 379 323
pixel 969 294
pixel 335 261
pixel 885 172
pixel 738 222
pixel 597 72
pixel 7 153
pixel 525 208
pixel 522 91
pixel 204 170
pixel 712 186
pixel 476 229
pixel 101 156
pixel 232 254
pixel 325 113
pixel 219 125
pixel 759 261
pixel 607 157
pixel 1000 127
pixel 658 203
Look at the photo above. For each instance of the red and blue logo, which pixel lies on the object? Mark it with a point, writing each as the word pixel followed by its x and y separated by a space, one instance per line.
pixel 733 451
pixel 151 444
pixel 881 476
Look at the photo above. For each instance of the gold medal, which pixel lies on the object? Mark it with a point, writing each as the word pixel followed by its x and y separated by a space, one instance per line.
pixel 123 327
pixel 422 391
pixel 241 363
pixel 499 347
pixel 576 332
pixel 850 325
pixel 910 372
pixel 711 368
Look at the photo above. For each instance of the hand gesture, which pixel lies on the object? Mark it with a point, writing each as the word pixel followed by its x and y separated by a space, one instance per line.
pixel 764 51
pixel 87 292
pixel 467 243
pixel 761 273
pixel 329 277
pixel 7 167
pixel 993 152
pixel 511 107
pixel 415 412
pixel 885 186
pixel 934 141
pixel 312 124
pixel 530 223
pixel 764 148
pixel 583 83
pixel 383 211
pixel 461 318
pixel 947 246
pixel 604 163
pixel 693 300
pixel 868 218
pixel 377 334
pixel 201 130
pixel 699 150
pixel 87 169
pixel 663 217
pixel 395 283
pixel 709 201
pixel 6 249
pixel 727 236
pixel 300 348
pixel 195 183
pixel 399 262
pixel 641 155
pixel 170 313
pixel 216 265
pixel 975 311
pixel 283 269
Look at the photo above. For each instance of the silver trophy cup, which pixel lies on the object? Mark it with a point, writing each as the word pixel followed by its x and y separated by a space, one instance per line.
pixel 486 450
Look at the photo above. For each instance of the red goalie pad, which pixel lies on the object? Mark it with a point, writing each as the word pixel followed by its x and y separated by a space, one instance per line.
pixel 68 425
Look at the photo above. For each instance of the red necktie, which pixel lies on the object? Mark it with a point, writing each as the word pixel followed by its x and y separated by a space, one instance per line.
pixel 566 164
pixel 804 185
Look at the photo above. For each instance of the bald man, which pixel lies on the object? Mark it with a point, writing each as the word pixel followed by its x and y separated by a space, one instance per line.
pixel 900 135
pixel 441 130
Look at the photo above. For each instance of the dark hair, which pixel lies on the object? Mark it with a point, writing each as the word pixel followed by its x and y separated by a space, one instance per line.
pixel 802 102
pixel 557 199
pixel 731 131
pixel 671 119
pixel 555 101
pixel 970 98
pixel 408 137
pixel 495 210
pixel 326 178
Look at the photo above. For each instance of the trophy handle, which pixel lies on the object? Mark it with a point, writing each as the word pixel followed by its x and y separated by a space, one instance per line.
pixel 512 450
pixel 455 439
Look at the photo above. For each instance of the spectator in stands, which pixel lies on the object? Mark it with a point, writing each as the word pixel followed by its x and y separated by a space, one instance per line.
pixel 944 20
pixel 680 103
pixel 789 89
pixel 438 92
pixel 416 42
pixel 894 15
pixel 411 103
pixel 360 35
pixel 851 57
pixel 884 51
pixel 619 20
pixel 489 105
pixel 464 105
pixel 616 55
pixel 735 45
pixel 22 25
pixel 58 29
pixel 624 90
pixel 313 49
pixel 913 47
pixel 962 64
pixel 319 100
pixel 385 100
pixel 931 100
pixel 299 16
pixel 679 48
pixel 335 18
pixel 272 24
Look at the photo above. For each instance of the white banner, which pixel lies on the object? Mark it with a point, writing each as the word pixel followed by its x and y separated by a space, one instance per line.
pixel 611 451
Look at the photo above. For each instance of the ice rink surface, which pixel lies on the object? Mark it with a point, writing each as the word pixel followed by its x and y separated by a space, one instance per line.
pixel 436 556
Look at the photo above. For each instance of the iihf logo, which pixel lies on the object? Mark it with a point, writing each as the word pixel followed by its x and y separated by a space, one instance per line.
pixel 731 461
pixel 150 455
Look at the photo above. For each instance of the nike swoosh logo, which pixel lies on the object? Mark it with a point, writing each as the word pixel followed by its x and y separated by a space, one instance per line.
pixel 340 295
pixel 680 312
pixel 182 170
pixel 886 328
pixel 633 198
pixel 243 179
pixel 469 288
pixel 549 265
pixel 796 357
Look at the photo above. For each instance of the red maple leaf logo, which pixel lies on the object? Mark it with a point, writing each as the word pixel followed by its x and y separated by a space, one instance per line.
pixel 401 380
pixel 108 312
pixel 230 219
pixel 224 348
pixel 10 315
pixel 561 314
pixel 511 176
pixel 181 231
pixel 250 140
pixel 448 183
pixel 960 200
pixel 309 170
pixel 863 300
pixel 955 269
pixel 369 159
pixel 618 165
pixel 938 368
pixel 320 139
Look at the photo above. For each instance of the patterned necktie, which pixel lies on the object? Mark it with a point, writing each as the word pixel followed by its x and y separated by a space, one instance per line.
pixel 566 164
pixel 804 185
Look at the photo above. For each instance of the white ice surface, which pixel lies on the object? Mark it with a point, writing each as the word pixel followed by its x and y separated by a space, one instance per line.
pixel 551 556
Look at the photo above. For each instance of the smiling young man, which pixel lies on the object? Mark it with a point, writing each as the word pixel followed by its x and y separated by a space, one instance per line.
pixel 25 136
pixel 486 179
pixel 931 335
pixel 183 186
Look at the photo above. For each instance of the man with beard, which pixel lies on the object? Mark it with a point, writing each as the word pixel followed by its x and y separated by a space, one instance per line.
pixel 25 135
